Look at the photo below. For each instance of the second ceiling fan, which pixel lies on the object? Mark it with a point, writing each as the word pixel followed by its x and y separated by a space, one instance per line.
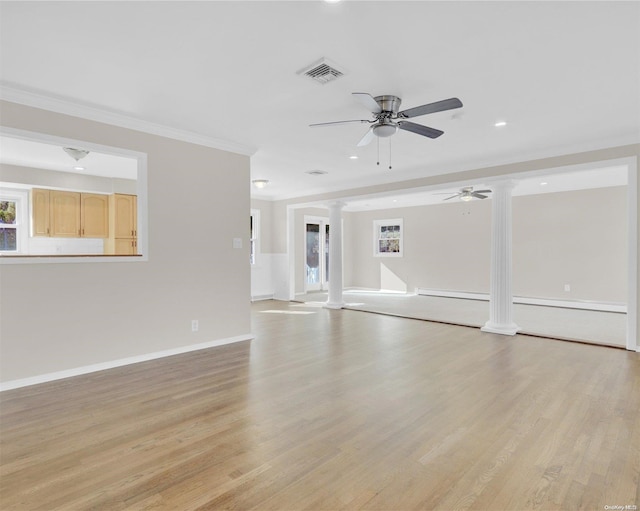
pixel 388 118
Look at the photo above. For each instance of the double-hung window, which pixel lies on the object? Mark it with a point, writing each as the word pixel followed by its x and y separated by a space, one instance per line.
pixel 14 223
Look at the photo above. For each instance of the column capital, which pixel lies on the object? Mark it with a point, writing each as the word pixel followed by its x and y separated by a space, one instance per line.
pixel 503 185
pixel 338 204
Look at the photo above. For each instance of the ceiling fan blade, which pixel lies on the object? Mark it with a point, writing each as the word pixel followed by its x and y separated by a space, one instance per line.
pixel 453 196
pixel 478 195
pixel 335 123
pixel 483 191
pixel 367 101
pixel 368 137
pixel 438 106
pixel 425 131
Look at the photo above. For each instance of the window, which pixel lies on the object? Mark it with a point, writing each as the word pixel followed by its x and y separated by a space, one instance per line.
pixel 13 221
pixel 387 238
pixel 254 246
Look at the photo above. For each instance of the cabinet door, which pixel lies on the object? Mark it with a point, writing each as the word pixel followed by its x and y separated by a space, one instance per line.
pixel 124 216
pixel 125 246
pixel 94 213
pixel 65 214
pixel 40 212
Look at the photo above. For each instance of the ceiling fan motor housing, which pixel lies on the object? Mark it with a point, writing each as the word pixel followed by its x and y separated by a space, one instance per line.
pixel 389 103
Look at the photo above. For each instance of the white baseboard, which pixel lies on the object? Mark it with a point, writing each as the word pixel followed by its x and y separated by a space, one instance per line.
pixel 257 298
pixel 77 371
pixel 548 302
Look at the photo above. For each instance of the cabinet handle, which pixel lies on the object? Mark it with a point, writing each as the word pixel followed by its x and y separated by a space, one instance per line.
pixel 131 232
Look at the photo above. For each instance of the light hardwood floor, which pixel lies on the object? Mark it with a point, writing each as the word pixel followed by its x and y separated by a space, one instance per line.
pixel 331 409
pixel 596 327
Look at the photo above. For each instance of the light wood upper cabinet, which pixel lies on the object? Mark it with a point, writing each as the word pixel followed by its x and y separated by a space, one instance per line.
pixel 40 207
pixel 61 214
pixel 65 214
pixel 94 215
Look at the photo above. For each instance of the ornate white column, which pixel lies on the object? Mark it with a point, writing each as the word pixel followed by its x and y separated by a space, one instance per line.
pixel 335 256
pixel 500 294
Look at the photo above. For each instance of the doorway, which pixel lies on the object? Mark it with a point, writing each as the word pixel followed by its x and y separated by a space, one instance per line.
pixel 316 253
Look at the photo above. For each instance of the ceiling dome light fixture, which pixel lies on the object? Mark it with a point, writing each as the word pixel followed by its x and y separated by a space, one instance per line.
pixel 499 124
pixel 76 154
pixel 260 183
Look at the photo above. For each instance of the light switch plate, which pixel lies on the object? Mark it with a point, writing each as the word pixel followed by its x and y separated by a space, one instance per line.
pixel 237 242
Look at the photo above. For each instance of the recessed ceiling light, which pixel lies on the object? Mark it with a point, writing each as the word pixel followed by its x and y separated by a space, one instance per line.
pixel 544 183
pixel 316 172
pixel 500 123
pixel 354 157
pixel 78 168
pixel 332 1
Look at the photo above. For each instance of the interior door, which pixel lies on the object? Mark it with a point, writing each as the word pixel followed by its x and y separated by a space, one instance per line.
pixel 316 254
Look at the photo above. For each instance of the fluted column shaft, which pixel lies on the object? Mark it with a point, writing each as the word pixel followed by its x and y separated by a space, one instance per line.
pixel 335 256
pixel 500 293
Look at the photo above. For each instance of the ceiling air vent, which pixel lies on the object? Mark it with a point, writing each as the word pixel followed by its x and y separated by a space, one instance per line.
pixel 322 71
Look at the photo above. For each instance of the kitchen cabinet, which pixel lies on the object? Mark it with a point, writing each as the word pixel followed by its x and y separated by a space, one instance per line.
pixel 40 208
pixel 94 215
pixel 63 214
pixel 123 225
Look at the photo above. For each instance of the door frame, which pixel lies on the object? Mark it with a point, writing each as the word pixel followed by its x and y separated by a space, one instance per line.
pixel 323 222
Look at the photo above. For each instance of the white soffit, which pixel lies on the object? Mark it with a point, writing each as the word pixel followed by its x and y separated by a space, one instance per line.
pixel 553 183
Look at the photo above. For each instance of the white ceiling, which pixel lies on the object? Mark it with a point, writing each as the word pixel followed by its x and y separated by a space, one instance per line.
pixel 40 155
pixel 564 75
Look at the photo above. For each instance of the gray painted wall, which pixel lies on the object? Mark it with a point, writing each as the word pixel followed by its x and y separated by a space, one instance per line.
pixel 58 317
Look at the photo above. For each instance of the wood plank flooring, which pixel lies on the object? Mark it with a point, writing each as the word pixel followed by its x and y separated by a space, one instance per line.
pixel 329 410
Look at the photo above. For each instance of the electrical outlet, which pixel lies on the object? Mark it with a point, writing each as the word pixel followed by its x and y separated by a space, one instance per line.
pixel 567 287
pixel 194 325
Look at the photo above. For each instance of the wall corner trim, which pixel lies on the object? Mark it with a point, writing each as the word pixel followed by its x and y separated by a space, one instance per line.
pixel 77 371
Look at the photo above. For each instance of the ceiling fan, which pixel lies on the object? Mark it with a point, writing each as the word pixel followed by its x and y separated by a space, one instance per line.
pixel 388 119
pixel 467 193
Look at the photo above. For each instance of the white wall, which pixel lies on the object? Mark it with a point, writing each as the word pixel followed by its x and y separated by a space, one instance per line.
pixel 57 317
pixel 43 178
pixel 575 237
pixel 262 273
pixel 445 247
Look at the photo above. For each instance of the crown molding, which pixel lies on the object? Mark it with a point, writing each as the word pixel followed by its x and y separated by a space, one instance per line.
pixel 65 106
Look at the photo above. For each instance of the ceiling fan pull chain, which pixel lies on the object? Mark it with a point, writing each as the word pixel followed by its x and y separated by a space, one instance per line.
pixel 389 154
pixel 378 140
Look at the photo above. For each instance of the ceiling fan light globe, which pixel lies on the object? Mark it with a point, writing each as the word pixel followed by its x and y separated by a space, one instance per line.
pixel 466 198
pixel 385 130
